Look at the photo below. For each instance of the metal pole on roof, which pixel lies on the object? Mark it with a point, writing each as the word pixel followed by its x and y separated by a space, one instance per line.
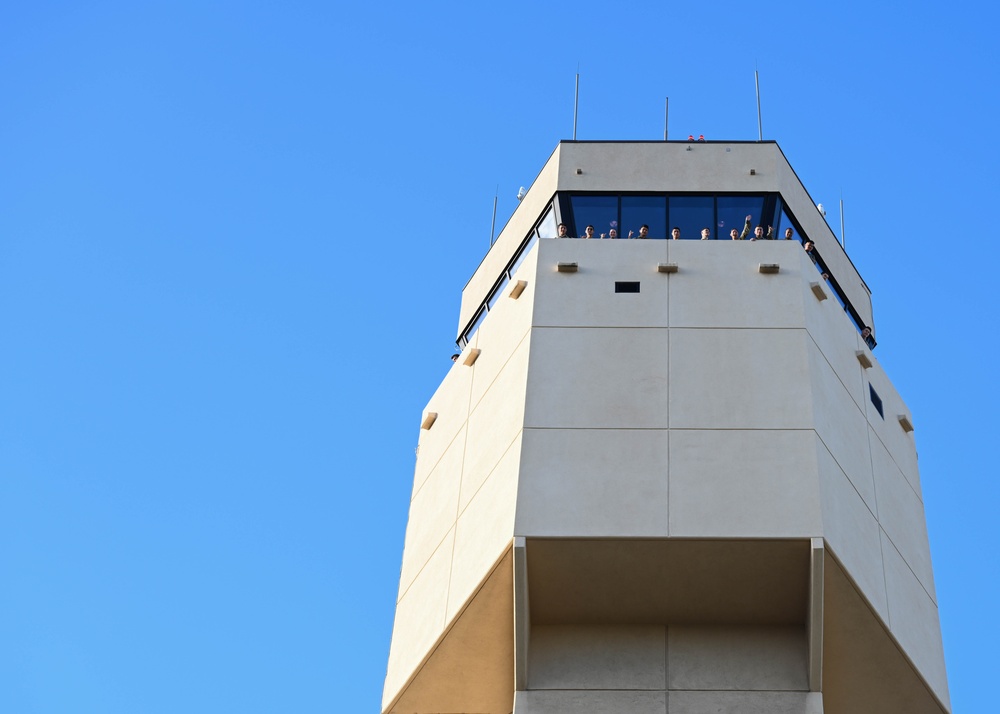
pixel 843 240
pixel 666 113
pixel 760 127
pixel 493 225
pixel 576 104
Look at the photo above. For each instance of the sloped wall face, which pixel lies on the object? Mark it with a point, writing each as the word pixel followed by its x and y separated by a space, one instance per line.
pixel 462 508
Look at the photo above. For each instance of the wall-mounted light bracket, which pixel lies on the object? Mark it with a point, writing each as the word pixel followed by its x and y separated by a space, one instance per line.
pixel 769 268
pixel 429 419
pixel 904 421
pixel 863 358
pixel 817 289
pixel 517 288
pixel 567 267
pixel 666 267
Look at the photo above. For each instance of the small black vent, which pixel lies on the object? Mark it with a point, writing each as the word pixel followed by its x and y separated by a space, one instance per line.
pixel 876 400
pixel 621 287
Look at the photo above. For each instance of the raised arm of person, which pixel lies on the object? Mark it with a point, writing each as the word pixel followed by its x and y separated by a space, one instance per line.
pixel 746 229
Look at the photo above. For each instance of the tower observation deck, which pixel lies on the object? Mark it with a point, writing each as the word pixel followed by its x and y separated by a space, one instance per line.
pixel 666 476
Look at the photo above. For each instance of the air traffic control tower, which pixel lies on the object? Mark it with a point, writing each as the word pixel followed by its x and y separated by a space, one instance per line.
pixel 666 476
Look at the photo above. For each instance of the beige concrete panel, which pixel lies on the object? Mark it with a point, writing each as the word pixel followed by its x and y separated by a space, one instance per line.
pixel 835 336
pixel 739 379
pixel 591 702
pixel 485 528
pixel 913 618
pixel 659 166
pixel 433 512
pixel 745 703
pixel 901 515
pixel 841 425
pixel 899 443
pixel 420 619
pixel 451 403
pixel 587 298
pixel 882 459
pixel 597 378
pixel 495 422
pixel 597 657
pixel 743 483
pixel 461 675
pixel 528 210
pixel 601 482
pixel 451 459
pixel 502 332
pixel 851 531
pixel 738 658
pixel 718 284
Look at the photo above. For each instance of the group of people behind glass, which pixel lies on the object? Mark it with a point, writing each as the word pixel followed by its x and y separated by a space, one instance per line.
pixel 675 233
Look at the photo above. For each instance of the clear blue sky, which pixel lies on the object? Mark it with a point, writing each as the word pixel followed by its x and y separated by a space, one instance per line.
pixel 233 238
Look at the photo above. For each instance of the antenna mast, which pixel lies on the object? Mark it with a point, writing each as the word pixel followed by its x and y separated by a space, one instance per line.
pixel 493 224
pixel 843 240
pixel 760 127
pixel 576 103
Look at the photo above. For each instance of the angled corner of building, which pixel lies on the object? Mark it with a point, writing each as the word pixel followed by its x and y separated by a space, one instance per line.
pixel 666 475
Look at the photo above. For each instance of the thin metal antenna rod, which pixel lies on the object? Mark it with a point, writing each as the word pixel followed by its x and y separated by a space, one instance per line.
pixel 760 127
pixel 493 225
pixel 666 113
pixel 843 240
pixel 576 104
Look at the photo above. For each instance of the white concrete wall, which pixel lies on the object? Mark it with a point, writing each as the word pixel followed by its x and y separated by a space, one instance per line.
pixel 680 411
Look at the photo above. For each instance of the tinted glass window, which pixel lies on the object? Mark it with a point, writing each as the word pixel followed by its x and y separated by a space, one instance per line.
pixel 691 214
pixel 497 292
pixel 876 400
pixel 475 325
pixel 651 210
pixel 601 212
pixel 733 211
pixel 784 221
pixel 547 227
pixel 520 256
